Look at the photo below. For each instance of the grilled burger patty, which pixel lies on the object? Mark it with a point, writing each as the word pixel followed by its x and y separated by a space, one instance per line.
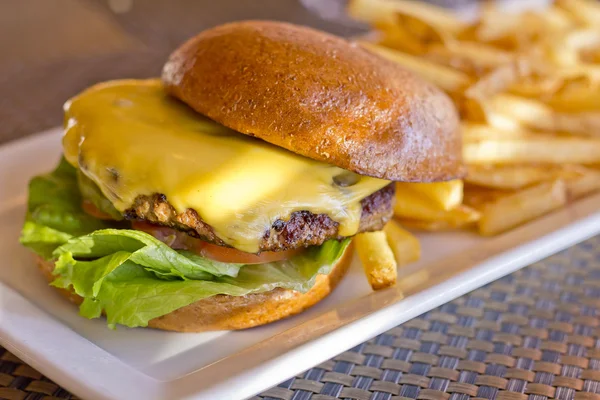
pixel 302 229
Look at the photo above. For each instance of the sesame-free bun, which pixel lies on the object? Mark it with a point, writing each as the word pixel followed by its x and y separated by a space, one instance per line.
pixel 223 312
pixel 320 96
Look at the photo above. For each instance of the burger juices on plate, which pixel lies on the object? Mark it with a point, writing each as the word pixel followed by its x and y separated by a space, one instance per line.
pixel 225 195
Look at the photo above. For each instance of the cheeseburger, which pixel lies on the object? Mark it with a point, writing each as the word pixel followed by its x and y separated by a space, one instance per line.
pixel 225 194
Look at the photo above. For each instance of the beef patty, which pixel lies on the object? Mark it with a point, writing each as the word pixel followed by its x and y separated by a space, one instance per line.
pixel 302 229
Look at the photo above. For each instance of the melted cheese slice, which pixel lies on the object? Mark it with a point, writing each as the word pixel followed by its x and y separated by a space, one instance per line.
pixel 132 139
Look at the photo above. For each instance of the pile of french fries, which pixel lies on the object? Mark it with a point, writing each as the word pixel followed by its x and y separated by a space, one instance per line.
pixel 527 86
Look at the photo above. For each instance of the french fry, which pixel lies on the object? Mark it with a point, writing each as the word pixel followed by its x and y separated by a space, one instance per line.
pixel 514 177
pixel 419 30
pixel 473 132
pixel 539 87
pixel 585 12
pixel 444 77
pixel 395 37
pixel 437 18
pixel 470 57
pixel 377 259
pixel 527 86
pixel 444 195
pixel 568 172
pixel 478 196
pixel 557 150
pixel 591 56
pixel 481 53
pixel 411 204
pixel 591 71
pixel 588 182
pixel 558 53
pixel 574 99
pixel 440 54
pixel 508 177
pixel 516 31
pixel 494 26
pixel 461 216
pixel 415 205
pixel 431 226
pixel 404 245
pixel 582 39
pixel 499 80
pixel 556 19
pixel 456 218
pixel 536 115
pixel 372 11
pixel 522 206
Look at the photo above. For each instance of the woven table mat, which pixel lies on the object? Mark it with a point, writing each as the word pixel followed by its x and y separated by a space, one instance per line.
pixel 532 335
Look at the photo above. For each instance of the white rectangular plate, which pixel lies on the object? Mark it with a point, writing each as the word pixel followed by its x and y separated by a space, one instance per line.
pixel 87 358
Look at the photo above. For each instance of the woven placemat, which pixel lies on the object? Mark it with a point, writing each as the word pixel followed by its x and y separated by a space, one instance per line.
pixel 533 335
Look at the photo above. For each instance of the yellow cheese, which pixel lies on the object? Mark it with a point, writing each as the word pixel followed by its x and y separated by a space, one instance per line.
pixel 132 139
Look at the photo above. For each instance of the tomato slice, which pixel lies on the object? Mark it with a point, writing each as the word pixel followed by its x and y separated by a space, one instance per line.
pixel 181 240
pixel 90 209
pixel 231 255
pixel 173 238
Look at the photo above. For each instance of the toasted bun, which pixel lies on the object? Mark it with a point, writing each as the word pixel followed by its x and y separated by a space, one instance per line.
pixel 319 96
pixel 223 312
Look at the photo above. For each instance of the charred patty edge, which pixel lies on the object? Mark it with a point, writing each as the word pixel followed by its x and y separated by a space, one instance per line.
pixel 302 229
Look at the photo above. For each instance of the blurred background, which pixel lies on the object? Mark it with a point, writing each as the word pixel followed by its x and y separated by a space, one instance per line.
pixel 53 49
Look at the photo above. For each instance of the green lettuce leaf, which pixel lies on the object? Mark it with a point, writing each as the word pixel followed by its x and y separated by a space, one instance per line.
pixel 42 239
pixel 129 286
pixel 54 213
pixel 147 251
pixel 132 277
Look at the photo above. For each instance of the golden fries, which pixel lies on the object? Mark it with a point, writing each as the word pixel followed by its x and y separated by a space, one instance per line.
pixel 588 182
pixel 514 177
pixel 372 11
pixel 520 207
pixel 473 132
pixel 410 204
pixel 444 77
pixel 433 206
pixel 404 245
pixel 445 195
pixel 495 27
pixel 536 86
pixel 376 11
pixel 536 115
pixel 377 259
pixel 571 98
pixel 478 196
pixel 431 226
pixel 499 79
pixel 557 150
pixel 527 86
pixel 508 177
pixel 413 205
pixel 586 12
